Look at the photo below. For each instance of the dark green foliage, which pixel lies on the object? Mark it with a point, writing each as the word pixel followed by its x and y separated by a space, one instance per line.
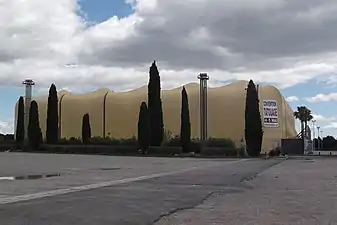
pixel 329 142
pixel 303 114
pixel 173 142
pixel 133 142
pixel 164 150
pixel 143 128
pixel 185 124
pixel 20 123
pixel 253 123
pixel 220 142
pixel 86 129
pixel 155 107
pixel 219 151
pixel 52 132
pixel 34 130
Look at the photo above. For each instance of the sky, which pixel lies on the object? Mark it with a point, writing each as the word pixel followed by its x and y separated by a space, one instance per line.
pixel 289 44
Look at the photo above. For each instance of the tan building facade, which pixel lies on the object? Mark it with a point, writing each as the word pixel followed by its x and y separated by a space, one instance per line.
pixel 115 114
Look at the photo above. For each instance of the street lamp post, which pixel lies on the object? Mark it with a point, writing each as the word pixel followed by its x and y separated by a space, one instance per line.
pixel 321 139
pixel 203 77
pixel 29 83
pixel 313 134
pixel 318 138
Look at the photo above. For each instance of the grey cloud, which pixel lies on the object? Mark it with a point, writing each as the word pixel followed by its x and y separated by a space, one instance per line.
pixel 256 37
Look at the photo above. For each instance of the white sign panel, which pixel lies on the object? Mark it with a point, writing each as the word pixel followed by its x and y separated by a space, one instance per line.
pixel 270 113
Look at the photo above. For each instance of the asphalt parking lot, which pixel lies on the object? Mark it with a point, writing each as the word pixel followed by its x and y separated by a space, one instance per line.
pixel 113 190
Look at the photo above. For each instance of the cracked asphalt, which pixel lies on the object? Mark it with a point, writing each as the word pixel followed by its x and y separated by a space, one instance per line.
pixel 181 184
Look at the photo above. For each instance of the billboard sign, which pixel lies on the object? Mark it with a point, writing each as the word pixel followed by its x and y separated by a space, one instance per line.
pixel 270 113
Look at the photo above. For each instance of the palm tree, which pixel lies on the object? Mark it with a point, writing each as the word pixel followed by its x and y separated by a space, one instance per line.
pixel 308 117
pixel 303 114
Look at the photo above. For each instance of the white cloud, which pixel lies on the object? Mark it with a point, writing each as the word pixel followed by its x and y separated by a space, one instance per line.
pixel 321 118
pixel 323 98
pixel 6 127
pixel 229 39
pixel 292 99
pixel 331 126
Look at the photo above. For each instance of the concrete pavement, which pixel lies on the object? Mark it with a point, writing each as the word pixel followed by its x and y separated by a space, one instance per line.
pixel 295 192
pixel 154 187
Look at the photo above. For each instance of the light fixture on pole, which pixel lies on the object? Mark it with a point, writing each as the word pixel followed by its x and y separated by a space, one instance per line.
pixel 29 83
pixel 203 77
pixel 313 134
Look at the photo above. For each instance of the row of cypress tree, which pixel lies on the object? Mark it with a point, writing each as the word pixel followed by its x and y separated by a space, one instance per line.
pixel 150 123
pixel 34 130
pixel 151 126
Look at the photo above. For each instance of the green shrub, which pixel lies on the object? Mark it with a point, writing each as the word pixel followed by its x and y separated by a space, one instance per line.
pixel 89 149
pixel 195 147
pixel 164 150
pixel 74 141
pixel 275 152
pixel 173 142
pixel 100 141
pixel 241 152
pixel 219 151
pixel 7 146
pixel 220 142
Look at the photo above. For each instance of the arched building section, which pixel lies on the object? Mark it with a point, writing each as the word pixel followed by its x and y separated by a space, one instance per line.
pixel 116 114
pixel 42 102
pixel 75 106
pixel 122 111
pixel 226 108
pixel 62 94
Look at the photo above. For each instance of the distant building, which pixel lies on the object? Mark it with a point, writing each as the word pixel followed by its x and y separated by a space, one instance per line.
pixel 116 114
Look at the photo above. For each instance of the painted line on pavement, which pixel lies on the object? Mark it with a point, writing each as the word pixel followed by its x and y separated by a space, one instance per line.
pixel 26 197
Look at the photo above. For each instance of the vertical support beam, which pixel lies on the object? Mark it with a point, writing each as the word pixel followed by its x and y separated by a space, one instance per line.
pixel 28 98
pixel 60 116
pixel 104 113
pixel 318 138
pixel 203 77
pixel 205 111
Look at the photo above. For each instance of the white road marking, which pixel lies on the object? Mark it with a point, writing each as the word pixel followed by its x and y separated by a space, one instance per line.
pixel 26 197
pixel 7 178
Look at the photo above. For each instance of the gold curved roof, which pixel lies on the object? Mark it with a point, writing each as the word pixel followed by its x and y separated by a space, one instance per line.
pixel 115 114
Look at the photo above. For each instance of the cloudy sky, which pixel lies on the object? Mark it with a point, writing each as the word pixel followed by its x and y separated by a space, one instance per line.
pixel 86 44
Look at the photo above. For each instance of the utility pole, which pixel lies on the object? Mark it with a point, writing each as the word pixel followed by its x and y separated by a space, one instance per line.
pixel 203 77
pixel 313 134
pixel 29 83
pixel 318 139
pixel 322 139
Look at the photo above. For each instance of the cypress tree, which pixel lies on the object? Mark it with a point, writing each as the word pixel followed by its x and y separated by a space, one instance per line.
pixel 34 130
pixel 253 123
pixel 20 123
pixel 86 129
pixel 185 124
pixel 52 134
pixel 143 128
pixel 155 107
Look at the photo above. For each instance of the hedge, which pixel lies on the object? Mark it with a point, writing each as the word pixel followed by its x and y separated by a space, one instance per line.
pixel 89 149
pixel 101 141
pixel 7 146
pixel 164 151
pixel 218 151
pixel 107 150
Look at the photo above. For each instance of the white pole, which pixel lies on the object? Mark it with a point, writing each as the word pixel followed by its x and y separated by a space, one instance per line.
pixel 322 139
pixel 313 134
pixel 318 139
pixel 28 98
